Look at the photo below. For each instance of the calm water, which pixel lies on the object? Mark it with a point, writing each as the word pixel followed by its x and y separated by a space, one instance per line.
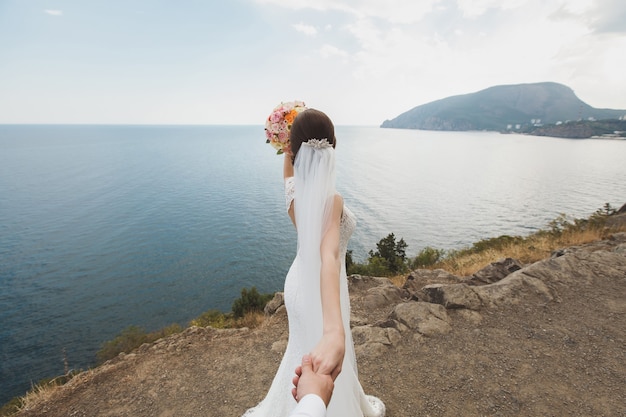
pixel 102 227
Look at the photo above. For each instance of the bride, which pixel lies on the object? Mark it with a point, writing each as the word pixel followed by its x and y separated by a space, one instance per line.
pixel 316 288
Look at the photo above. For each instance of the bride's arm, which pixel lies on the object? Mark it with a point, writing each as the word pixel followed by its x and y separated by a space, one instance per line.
pixel 328 355
pixel 288 172
pixel 287 166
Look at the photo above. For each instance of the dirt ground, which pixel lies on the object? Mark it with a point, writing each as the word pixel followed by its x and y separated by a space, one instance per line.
pixel 565 357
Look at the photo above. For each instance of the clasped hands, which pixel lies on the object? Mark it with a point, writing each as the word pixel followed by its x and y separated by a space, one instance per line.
pixel 327 357
pixel 319 370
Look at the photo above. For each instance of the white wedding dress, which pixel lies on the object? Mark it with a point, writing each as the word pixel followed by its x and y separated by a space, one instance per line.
pixel 305 331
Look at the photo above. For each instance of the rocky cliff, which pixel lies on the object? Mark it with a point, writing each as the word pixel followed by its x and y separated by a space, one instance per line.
pixel 547 338
pixel 608 129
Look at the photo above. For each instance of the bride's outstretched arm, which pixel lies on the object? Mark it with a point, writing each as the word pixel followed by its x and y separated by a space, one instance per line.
pixel 288 172
pixel 288 166
pixel 328 355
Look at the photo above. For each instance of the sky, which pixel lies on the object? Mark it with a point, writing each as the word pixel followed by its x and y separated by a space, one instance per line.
pixel 233 61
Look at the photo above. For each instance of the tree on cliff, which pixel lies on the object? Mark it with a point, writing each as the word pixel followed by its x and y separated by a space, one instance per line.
pixel 390 254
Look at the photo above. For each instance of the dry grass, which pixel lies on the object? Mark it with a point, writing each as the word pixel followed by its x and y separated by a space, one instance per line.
pixel 38 393
pixel 218 320
pixel 251 320
pixel 398 280
pixel 528 250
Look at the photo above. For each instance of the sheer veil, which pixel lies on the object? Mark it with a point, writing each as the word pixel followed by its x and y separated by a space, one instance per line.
pixel 314 183
pixel 314 172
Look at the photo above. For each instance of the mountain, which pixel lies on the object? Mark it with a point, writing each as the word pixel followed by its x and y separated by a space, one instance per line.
pixel 501 108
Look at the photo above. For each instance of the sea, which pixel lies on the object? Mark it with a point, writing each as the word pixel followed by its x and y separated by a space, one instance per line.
pixel 107 226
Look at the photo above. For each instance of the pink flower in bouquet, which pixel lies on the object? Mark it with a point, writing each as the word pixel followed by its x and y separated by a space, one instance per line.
pixel 278 124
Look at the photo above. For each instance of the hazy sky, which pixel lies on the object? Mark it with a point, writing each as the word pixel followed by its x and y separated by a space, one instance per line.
pixel 232 61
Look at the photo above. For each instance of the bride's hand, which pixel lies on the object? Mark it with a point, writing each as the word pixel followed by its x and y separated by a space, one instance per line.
pixel 327 357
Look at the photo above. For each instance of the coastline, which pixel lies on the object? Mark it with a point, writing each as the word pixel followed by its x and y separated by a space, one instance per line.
pixel 613 222
pixel 524 349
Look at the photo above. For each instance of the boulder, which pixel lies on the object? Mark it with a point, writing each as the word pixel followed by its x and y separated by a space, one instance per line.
pixel 374 334
pixel 359 284
pixel 495 271
pixel 383 295
pixel 618 237
pixel 579 266
pixel 274 303
pixel 452 296
pixel 374 341
pixel 616 221
pixel 512 290
pixel 418 278
pixel 469 315
pixel 425 318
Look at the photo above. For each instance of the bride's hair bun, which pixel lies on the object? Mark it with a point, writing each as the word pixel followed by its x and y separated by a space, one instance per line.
pixel 309 125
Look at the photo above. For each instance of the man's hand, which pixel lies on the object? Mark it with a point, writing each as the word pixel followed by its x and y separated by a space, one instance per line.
pixel 308 382
pixel 327 357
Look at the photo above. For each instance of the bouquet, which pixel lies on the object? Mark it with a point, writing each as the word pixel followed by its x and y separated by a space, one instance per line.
pixel 278 124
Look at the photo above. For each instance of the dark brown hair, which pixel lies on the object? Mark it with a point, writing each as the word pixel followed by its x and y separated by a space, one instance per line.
pixel 311 124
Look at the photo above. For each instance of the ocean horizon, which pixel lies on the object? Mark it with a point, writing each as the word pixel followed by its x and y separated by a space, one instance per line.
pixel 107 226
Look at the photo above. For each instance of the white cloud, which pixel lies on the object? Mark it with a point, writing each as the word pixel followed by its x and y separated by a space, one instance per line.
pixel 609 16
pixel 395 11
pixel 367 60
pixel 321 5
pixel 401 53
pixel 475 8
pixel 306 29
pixel 601 16
pixel 330 51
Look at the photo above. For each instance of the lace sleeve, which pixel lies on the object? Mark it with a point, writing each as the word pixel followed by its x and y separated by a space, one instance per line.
pixel 290 190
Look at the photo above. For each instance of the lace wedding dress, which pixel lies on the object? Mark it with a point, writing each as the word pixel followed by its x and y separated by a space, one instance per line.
pixel 305 330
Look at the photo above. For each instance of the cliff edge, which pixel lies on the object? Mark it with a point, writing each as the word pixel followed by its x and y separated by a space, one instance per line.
pixel 547 338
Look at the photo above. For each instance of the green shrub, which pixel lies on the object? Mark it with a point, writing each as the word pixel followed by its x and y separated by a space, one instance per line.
pixel 164 332
pixel 376 267
pixel 427 257
pixel 562 224
pixel 134 336
pixel 250 300
pixel 557 226
pixel 130 339
pixel 495 243
pixel 213 318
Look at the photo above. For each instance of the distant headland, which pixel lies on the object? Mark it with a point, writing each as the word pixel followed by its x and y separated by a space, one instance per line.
pixel 542 109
